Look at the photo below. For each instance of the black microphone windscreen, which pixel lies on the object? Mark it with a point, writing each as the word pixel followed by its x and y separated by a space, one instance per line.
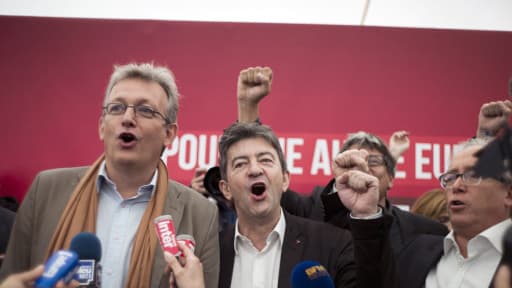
pixel 87 246
pixel 310 274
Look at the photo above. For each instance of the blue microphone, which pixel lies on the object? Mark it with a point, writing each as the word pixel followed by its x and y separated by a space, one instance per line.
pixel 88 248
pixel 311 274
pixel 61 266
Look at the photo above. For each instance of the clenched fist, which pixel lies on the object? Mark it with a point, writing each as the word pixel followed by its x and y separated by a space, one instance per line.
pixel 359 192
pixel 352 159
pixel 492 116
pixel 254 84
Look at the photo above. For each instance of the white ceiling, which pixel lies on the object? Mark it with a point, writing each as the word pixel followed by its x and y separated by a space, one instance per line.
pixel 454 14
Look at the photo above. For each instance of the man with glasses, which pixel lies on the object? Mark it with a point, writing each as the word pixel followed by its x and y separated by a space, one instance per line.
pixel 479 211
pixel 381 164
pixel 120 195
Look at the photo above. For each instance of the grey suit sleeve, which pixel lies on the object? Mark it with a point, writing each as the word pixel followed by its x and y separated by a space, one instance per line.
pixel 209 255
pixel 18 255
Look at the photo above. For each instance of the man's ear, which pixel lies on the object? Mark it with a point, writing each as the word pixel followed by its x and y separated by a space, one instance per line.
pixel 390 181
pixel 224 188
pixel 286 180
pixel 170 133
pixel 101 127
pixel 508 197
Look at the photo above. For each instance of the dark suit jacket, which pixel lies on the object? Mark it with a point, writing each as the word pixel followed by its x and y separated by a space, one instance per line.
pixel 405 229
pixel 407 226
pixel 6 221
pixel 304 206
pixel 347 261
pixel 46 199
pixel 418 257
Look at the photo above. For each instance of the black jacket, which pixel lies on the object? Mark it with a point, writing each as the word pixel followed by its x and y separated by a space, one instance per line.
pixel 365 261
pixel 323 206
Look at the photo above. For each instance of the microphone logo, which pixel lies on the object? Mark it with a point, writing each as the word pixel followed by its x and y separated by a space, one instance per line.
pixel 85 273
pixel 309 274
pixel 316 271
pixel 60 261
pixel 167 235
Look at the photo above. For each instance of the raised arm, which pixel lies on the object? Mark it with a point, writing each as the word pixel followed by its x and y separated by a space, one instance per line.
pixel 399 143
pixel 254 83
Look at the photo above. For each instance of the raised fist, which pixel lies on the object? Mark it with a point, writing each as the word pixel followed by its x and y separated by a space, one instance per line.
pixel 492 116
pixel 359 192
pixel 254 83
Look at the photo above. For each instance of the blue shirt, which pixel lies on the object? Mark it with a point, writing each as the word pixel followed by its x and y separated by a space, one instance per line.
pixel 117 222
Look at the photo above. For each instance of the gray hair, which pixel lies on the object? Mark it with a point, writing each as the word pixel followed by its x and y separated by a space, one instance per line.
pixel 147 71
pixel 366 140
pixel 478 141
pixel 481 142
pixel 241 131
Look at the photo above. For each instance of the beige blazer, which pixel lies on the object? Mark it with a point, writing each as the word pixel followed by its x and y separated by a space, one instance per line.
pixel 46 199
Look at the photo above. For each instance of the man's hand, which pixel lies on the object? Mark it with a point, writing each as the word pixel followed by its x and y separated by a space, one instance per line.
pixel 399 143
pixel 23 279
pixel 492 116
pixel 359 192
pixel 352 159
pixel 197 182
pixel 27 279
pixel 357 189
pixel 254 84
pixel 186 275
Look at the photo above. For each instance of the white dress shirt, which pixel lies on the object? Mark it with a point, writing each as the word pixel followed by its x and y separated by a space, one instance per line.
pixel 477 270
pixel 258 269
pixel 117 222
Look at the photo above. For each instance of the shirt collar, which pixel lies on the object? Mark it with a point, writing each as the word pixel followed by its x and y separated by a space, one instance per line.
pixel 278 230
pixel 103 179
pixel 493 234
pixel 449 242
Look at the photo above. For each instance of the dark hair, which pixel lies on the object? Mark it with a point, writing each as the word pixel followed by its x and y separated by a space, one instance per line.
pixel 370 141
pixel 241 131
pixel 9 202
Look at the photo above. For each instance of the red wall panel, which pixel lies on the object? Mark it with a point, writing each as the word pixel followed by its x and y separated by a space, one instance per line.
pixel 329 80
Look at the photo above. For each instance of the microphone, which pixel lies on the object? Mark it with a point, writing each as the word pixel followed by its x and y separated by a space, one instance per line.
pixel 88 248
pixel 188 240
pixel 310 274
pixel 61 265
pixel 166 234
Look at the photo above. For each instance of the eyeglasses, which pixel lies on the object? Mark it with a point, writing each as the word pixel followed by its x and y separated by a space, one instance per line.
pixel 375 160
pixel 141 110
pixel 469 178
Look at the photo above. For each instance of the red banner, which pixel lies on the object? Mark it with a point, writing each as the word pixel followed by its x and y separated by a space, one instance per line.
pixel 309 158
pixel 328 81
